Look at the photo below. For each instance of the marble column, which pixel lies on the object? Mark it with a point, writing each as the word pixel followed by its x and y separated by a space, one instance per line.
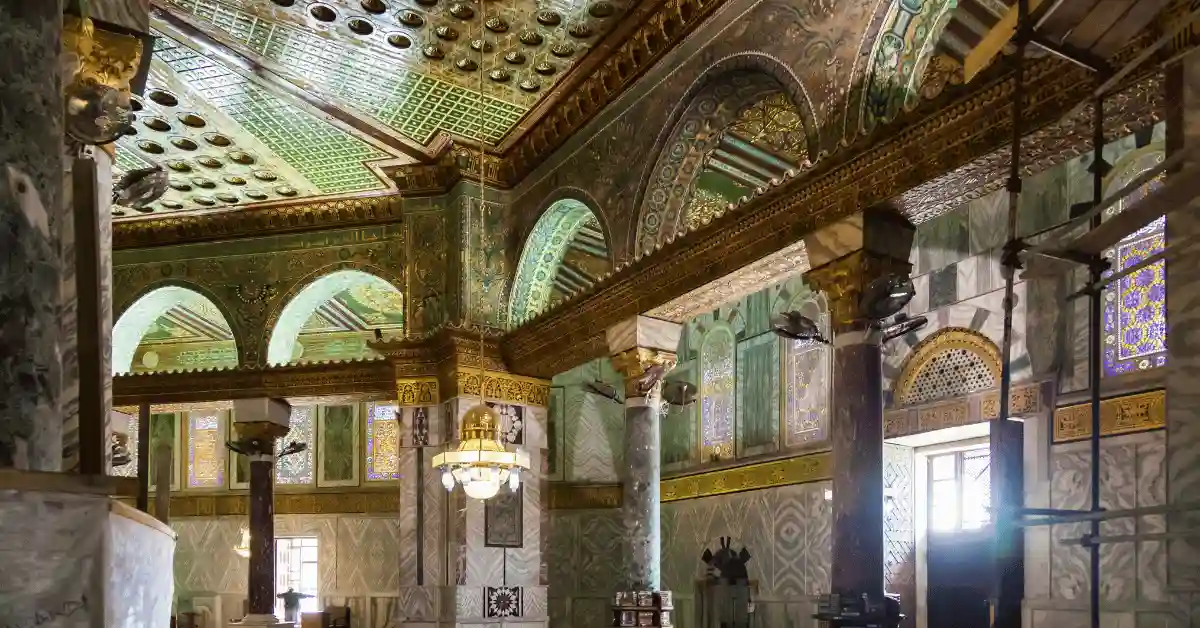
pixel 259 423
pixel 32 215
pixel 845 259
pixel 643 350
pixel 1183 352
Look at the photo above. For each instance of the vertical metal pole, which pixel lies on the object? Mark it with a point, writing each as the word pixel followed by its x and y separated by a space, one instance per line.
pixel 1094 357
pixel 1006 611
pixel 143 458
pixel 93 444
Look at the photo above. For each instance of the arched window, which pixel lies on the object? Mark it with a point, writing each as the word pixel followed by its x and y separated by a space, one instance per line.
pixel 807 367
pixel 1135 317
pixel 169 329
pixel 565 253
pixel 717 395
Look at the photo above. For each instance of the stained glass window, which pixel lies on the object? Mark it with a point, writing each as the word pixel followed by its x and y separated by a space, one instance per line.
pixel 806 377
pixel 383 442
pixel 129 470
pixel 1135 321
pixel 297 468
pixel 206 451
pixel 717 395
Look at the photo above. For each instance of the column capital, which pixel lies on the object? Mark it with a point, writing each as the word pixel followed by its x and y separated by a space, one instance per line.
pixel 642 368
pixel 848 255
pixel 259 422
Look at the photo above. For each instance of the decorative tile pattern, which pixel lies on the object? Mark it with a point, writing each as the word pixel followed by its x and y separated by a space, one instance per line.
pixel 503 519
pixel 383 442
pixel 298 468
pixel 502 602
pixel 512 422
pixel 717 395
pixel 899 527
pixel 206 450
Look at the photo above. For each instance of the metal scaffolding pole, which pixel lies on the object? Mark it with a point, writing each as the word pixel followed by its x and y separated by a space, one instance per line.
pixel 1096 269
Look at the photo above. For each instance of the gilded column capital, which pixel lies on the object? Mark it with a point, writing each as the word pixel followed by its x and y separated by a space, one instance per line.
pixel 843 281
pixel 643 368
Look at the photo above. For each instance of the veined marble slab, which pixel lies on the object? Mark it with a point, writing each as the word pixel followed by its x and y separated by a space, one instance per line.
pixel 644 332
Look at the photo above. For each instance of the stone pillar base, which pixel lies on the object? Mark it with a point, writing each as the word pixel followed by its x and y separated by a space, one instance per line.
pixel 259 621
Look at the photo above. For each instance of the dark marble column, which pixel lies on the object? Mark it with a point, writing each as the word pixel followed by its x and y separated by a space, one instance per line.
pixel 260 423
pixel 32 215
pixel 262 532
pixel 640 504
pixel 846 258
pixel 643 351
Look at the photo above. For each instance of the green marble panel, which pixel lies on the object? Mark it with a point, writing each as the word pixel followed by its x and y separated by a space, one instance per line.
pixel 337 444
pixel 758 395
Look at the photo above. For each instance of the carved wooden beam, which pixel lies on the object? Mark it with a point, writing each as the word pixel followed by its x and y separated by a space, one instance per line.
pixel 360 378
pixel 957 143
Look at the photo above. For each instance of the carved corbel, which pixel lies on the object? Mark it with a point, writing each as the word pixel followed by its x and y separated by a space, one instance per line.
pixel 642 369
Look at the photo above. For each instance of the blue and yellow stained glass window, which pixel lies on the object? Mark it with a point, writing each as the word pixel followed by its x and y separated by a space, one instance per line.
pixel 1135 319
pixel 297 468
pixel 717 394
pixel 383 442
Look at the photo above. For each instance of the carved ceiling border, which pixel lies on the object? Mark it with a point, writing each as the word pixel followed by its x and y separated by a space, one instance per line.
pixel 928 160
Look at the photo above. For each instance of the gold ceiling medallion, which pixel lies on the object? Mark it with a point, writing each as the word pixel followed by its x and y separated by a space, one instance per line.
pixel 241 157
pixel 562 49
pixel 544 68
pixel 530 37
pixel 154 148
pixel 183 143
pixel 179 166
pixel 203 200
pixel 216 139
pixel 376 7
pixel 462 11
pixel 284 190
pixel 232 180
pixel 433 51
pixel 500 75
pixel 398 40
pixel 602 9
pixel 580 30
pixel 466 65
pixel 203 183
pixel 411 18
pixel 549 18
pixel 515 57
pixel 322 13
pixel 265 175
pixel 496 24
pixel 427 3
pixel 227 197
pixel 157 124
pixel 257 195
pixel 209 162
pixel 479 45
pixel 529 85
pixel 180 185
pixel 446 32
pixel 192 120
pixel 359 26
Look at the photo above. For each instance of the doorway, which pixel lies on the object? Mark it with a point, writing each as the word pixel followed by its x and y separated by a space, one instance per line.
pixel 959 549
pixel 296 561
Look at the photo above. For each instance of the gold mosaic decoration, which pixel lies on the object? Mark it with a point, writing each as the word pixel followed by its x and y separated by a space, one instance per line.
pixel 774 123
pixel 500 387
pixel 947 360
pixel 417 391
pixel 1121 415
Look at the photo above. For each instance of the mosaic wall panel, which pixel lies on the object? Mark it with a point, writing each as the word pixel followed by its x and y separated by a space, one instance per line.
pixel 382 442
pixel 758 395
pixel 785 529
pixel 503 519
pixel 206 453
pixel 339 446
pixel 899 527
pixel 593 425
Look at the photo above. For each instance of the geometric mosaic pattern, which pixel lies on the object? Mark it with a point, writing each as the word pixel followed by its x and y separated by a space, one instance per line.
pixel 957 371
pixel 225 140
pixel 417 68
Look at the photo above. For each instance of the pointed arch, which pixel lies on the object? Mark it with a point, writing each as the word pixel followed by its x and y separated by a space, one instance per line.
pixel 173 327
pixel 338 312
pixel 746 121
pixel 566 251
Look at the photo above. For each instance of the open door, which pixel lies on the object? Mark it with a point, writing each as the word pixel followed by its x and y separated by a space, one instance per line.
pixel 959 554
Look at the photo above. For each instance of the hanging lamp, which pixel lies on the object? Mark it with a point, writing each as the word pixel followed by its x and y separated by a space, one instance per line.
pixel 481 463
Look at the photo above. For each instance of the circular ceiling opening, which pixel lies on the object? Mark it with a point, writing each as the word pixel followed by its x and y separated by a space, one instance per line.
pixel 154 148
pixel 360 26
pixel 157 124
pixel 192 120
pixel 226 197
pixel 257 195
pixel 216 139
pixel 166 99
pixel 241 157
pixel 322 13
pixel 373 6
pixel 399 41
pixel 284 190
pixel 203 200
pixel 183 143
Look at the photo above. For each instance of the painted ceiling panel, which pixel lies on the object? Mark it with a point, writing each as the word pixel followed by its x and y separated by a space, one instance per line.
pixel 415 67
pixel 224 140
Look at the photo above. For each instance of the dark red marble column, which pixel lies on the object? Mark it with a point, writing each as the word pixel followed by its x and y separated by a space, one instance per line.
pixel 262 534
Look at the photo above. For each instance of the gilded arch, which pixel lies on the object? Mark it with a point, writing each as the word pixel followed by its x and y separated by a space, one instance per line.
pixel 347 300
pixel 732 91
pixel 174 318
pixel 566 251
pixel 951 362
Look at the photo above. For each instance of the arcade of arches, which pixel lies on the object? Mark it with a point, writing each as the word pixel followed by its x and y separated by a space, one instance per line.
pixel 238 325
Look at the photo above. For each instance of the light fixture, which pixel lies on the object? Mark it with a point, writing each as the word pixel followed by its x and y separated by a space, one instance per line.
pixel 886 296
pixel 481 463
pixel 796 326
pixel 243 548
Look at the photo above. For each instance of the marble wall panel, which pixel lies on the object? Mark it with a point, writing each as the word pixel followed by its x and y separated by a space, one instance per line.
pixel 136 593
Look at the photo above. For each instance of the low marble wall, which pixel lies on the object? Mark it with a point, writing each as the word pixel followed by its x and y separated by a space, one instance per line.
pixel 80 560
pixel 786 530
